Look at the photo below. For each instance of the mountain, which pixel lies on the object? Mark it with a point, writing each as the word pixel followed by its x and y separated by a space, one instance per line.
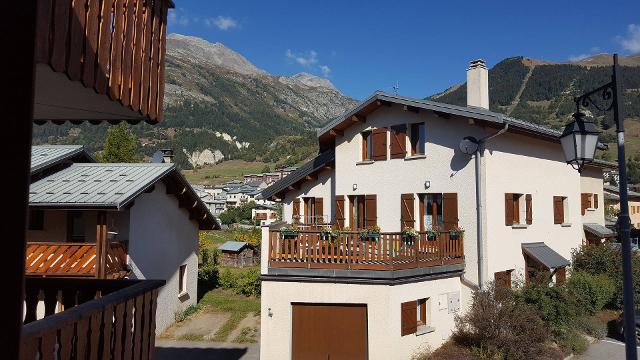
pixel 542 92
pixel 220 106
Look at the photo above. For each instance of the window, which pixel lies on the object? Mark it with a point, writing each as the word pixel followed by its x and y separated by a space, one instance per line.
pixel 588 201
pixel 363 211
pixel 414 314
pixel 182 279
pixel 312 210
pixel 75 227
pixel 560 205
pixel 518 209
pixel 438 210
pixel 367 146
pixel 417 139
pixel 36 219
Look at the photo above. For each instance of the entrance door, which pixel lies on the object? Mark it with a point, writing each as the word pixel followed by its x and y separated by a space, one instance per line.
pixel 329 332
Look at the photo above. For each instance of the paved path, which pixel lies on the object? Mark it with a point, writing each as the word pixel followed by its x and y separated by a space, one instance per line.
pixel 607 349
pixel 204 350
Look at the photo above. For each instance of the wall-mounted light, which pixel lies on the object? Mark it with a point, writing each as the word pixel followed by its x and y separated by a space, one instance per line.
pixel 269 312
pixel 355 187
pixel 427 184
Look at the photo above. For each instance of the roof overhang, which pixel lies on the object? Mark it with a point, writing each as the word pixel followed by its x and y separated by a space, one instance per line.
pixel 545 255
pixel 599 231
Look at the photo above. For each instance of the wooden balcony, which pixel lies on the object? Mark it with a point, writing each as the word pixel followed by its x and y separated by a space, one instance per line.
pixel 313 249
pixel 61 259
pixel 100 319
pixel 100 60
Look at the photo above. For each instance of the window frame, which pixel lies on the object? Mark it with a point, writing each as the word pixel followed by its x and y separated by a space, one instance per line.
pixel 182 279
pixel 367 145
pixel 417 138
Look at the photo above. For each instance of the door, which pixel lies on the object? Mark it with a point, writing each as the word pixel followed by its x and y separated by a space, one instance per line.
pixel 329 332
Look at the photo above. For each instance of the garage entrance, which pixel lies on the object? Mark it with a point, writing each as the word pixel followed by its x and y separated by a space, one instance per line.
pixel 329 331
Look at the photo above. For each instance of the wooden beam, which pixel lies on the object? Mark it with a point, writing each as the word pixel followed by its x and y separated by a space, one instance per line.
pixel 358 118
pixel 411 108
pixel 327 167
pixel 382 102
pixel 311 177
pixel 471 121
pixel 441 114
pixel 336 132
pixel 150 189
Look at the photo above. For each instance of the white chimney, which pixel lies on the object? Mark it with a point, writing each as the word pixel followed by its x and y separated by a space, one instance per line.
pixel 478 84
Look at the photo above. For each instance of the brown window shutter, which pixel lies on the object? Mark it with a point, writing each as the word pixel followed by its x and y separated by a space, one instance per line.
pixel 379 138
pixel 595 201
pixel 508 209
pixel 319 208
pixel 340 211
pixel 561 275
pixel 503 279
pixel 409 317
pixel 407 218
pixel 296 207
pixel 370 211
pixel 398 141
pixel 584 202
pixel 529 209
pixel 558 210
pixel 450 210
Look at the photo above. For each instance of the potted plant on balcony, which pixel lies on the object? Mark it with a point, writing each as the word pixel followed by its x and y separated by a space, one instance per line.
pixel 409 233
pixel 432 232
pixel 331 235
pixel 289 231
pixel 456 232
pixel 370 233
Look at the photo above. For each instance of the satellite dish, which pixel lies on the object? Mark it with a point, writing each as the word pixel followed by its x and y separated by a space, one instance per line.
pixel 157 157
pixel 469 145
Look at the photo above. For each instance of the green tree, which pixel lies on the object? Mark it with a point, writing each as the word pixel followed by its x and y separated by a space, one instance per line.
pixel 266 169
pixel 119 146
pixel 633 169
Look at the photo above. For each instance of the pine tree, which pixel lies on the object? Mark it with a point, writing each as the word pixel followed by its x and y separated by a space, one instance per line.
pixel 119 146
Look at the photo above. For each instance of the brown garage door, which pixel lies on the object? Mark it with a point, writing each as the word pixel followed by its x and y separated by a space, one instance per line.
pixel 329 332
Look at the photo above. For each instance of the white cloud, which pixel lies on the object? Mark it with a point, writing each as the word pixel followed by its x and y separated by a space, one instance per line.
pixel 180 17
pixel 305 59
pixel 325 70
pixel 631 41
pixel 594 49
pixel 578 57
pixel 222 22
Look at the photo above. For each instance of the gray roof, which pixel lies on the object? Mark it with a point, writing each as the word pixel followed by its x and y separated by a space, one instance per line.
pixel 44 156
pixel 96 185
pixel 616 190
pixel 233 246
pixel 598 230
pixel 545 255
pixel 312 166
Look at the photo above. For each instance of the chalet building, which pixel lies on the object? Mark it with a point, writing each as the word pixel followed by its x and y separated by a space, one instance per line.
pixel 612 198
pixel 432 201
pixel 139 221
pixel 264 213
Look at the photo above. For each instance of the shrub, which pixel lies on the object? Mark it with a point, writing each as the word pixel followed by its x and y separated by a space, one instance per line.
pixel 207 271
pixel 555 305
pixel 181 316
pixel 498 326
pixel 571 341
pixel 227 280
pixel 591 292
pixel 248 283
pixel 592 327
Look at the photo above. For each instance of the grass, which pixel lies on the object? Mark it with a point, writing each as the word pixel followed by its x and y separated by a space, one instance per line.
pixel 223 333
pixel 225 171
pixel 238 305
pixel 247 336
pixel 219 237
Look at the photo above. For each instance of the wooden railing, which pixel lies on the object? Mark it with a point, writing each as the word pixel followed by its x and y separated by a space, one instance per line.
pixel 74 259
pixel 102 319
pixel 116 47
pixel 391 251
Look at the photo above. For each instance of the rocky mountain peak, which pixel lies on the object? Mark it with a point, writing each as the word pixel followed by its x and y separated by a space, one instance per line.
pixel 313 81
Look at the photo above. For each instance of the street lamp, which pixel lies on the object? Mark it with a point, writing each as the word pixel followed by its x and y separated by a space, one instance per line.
pixel 579 147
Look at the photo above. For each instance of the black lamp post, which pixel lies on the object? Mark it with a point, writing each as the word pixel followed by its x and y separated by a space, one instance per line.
pixel 579 148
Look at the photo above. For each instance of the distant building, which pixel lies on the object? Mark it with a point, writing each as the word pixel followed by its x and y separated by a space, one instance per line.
pixel 237 254
pixel 265 214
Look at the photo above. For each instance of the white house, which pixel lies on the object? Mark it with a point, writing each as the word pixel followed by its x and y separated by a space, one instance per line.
pixel 399 163
pixel 113 220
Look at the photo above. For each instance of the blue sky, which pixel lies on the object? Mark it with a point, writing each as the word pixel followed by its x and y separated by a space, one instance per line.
pixel 363 46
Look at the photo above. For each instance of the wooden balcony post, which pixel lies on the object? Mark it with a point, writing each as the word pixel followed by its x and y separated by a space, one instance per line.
pixel 101 244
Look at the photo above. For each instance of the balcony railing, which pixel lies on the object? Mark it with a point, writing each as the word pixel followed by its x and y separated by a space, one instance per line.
pixel 101 319
pixel 74 259
pixel 389 251
pixel 115 47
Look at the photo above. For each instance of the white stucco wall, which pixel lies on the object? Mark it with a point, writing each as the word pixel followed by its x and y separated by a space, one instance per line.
pixel 321 187
pixel 162 238
pixel 383 314
pixel 520 164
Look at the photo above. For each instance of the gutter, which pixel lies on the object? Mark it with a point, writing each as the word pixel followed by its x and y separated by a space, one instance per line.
pixel 480 205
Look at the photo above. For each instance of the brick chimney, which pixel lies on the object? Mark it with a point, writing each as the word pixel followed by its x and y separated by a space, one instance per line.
pixel 478 84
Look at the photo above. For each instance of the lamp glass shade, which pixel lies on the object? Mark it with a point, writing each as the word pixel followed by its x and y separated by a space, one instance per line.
pixel 579 141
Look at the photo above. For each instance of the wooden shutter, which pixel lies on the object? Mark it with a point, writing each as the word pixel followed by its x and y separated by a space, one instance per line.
pixel 595 201
pixel 296 207
pixel 408 313
pixel 398 141
pixel 319 208
pixel 508 209
pixel 529 209
pixel 379 139
pixel 450 210
pixel 340 211
pixel 584 203
pixel 407 218
pixel 503 279
pixel 370 211
pixel 561 275
pixel 558 210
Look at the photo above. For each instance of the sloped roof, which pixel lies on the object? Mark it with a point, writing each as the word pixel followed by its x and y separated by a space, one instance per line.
pixel 545 255
pixel 114 186
pixel 598 230
pixel 616 190
pixel 233 246
pixel 311 167
pixel 45 156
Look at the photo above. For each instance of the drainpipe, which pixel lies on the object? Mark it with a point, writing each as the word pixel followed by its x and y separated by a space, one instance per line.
pixel 479 204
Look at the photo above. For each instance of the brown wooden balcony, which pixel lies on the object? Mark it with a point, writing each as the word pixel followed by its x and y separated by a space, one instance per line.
pixel 100 60
pixel 76 260
pixel 89 318
pixel 313 249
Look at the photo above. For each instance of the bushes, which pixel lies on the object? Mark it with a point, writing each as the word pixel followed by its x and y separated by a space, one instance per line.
pixel 554 304
pixel 591 292
pixel 242 283
pixel 207 271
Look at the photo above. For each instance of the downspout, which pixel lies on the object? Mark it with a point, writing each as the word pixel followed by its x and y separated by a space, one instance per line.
pixel 479 204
